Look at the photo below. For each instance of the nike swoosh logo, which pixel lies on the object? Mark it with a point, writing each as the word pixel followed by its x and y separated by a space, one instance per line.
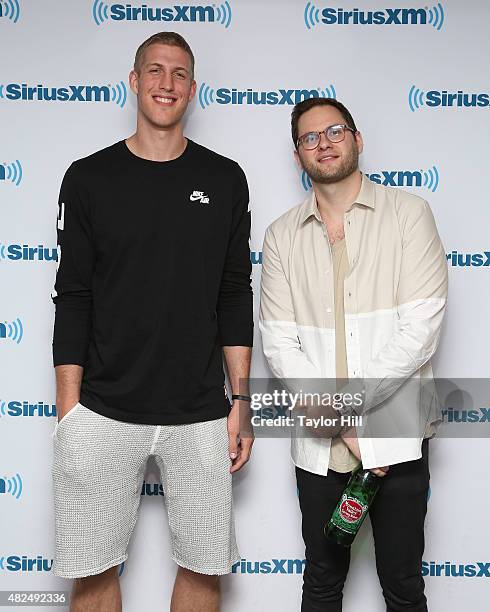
pixel 193 198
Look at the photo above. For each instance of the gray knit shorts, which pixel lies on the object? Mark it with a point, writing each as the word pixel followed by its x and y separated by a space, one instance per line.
pixel 98 471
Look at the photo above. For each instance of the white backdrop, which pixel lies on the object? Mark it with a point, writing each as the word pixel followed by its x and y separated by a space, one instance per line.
pixel 392 75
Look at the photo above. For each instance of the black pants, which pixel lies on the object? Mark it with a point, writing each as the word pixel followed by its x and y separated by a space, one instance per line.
pixel 397 518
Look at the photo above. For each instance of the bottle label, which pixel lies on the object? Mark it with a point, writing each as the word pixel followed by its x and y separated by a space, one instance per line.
pixel 351 510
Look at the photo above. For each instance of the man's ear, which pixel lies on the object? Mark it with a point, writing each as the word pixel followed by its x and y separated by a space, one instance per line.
pixel 193 90
pixel 133 81
pixel 360 142
pixel 298 160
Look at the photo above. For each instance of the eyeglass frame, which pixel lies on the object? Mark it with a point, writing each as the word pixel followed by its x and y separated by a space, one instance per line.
pixel 342 125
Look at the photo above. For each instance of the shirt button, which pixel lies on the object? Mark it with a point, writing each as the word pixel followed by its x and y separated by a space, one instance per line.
pixel 350 294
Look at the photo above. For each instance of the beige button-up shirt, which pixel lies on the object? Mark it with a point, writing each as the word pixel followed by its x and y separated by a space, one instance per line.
pixel 394 297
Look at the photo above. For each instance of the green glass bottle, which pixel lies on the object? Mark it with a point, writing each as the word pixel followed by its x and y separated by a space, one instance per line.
pixel 353 506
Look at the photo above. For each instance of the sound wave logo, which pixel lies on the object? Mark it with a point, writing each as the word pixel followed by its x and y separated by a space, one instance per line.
pixel 10 9
pixel 119 94
pixel 433 17
pixel 431 179
pixel 207 95
pixel 12 331
pixel 223 14
pixel 306 181
pixel 11 486
pixel 416 98
pixel 11 172
pixel 311 15
pixel 395 178
pixel 220 14
pixel 436 16
pixel 100 11
pixel 3 412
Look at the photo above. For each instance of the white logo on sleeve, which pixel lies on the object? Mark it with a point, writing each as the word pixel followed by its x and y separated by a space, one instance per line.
pixel 61 218
pixel 199 196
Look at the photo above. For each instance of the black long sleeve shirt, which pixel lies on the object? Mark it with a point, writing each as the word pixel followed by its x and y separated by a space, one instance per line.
pixel 153 279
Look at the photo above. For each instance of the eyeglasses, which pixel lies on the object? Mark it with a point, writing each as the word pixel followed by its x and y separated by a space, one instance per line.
pixel 334 133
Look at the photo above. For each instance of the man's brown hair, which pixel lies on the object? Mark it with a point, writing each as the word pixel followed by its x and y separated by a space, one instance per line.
pixel 164 38
pixel 306 105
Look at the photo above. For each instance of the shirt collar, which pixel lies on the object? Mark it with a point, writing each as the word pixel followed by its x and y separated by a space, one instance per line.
pixel 365 197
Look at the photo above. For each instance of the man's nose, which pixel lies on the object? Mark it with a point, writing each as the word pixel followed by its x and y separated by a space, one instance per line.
pixel 324 141
pixel 166 81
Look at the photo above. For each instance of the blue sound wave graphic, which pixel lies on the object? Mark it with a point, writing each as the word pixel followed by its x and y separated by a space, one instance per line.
pixel 15 330
pixel 3 412
pixel 206 95
pixel 431 179
pixel 305 181
pixel 11 486
pixel 11 172
pixel 311 15
pixel 328 92
pixel 100 11
pixel 1 563
pixel 10 9
pixel 119 94
pixel 223 14
pixel 436 16
pixel 416 98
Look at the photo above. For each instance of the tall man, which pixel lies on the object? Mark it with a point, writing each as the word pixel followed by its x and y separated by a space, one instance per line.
pixel 153 286
pixel 354 285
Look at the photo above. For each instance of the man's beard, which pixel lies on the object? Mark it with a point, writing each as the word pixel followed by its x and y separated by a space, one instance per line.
pixel 326 175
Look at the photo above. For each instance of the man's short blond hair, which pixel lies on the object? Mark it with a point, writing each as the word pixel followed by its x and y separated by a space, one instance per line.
pixel 164 38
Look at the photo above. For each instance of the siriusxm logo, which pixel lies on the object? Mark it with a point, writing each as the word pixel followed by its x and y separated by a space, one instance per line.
pixel 272 566
pixel 442 98
pixel 433 17
pixel 10 9
pixel 152 488
pixel 71 93
pixel 480 569
pixel 11 172
pixel 395 178
pixel 11 486
pixel 211 13
pixel 474 260
pixel 24 252
pixel 17 563
pixel 25 409
pixel 12 331
pixel 480 415
pixel 275 97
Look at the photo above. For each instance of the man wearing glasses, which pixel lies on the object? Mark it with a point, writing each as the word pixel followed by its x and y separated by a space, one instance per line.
pixel 354 286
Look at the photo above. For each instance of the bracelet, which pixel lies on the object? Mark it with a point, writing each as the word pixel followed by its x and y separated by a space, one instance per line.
pixel 243 398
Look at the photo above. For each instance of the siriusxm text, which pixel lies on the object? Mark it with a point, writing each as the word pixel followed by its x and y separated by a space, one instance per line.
pixel 24 252
pixel 25 409
pixel 481 415
pixel 388 16
pixel 476 260
pixel 278 97
pixel 467 570
pixel 121 12
pixel 435 98
pixel 272 566
pixel 70 93
pixel 17 563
